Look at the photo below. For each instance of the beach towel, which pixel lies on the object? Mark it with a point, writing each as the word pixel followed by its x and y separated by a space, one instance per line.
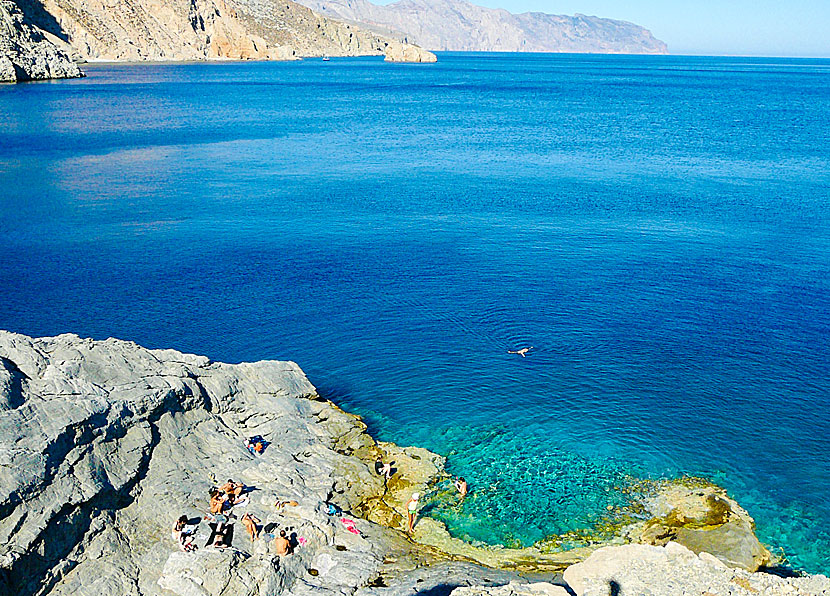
pixel 349 523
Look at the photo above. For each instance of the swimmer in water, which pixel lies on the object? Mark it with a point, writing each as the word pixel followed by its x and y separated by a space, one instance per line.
pixel 521 352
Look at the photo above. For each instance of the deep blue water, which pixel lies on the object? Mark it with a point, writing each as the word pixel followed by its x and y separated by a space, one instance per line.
pixel 657 227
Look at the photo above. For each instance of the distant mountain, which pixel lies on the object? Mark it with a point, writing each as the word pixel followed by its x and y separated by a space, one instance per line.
pixel 462 26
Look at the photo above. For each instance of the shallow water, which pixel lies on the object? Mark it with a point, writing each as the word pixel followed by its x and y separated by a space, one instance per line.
pixel 657 227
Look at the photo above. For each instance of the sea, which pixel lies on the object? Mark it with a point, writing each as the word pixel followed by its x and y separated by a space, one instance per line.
pixel 657 228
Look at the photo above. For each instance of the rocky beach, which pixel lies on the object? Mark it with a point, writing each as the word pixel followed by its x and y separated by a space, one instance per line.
pixel 104 444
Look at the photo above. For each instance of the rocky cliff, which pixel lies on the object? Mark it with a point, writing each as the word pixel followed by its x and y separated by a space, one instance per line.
pixel 461 26
pixel 134 30
pixel 197 29
pixel 104 444
pixel 26 53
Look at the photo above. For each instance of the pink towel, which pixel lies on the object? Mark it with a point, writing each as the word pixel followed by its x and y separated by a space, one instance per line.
pixel 349 523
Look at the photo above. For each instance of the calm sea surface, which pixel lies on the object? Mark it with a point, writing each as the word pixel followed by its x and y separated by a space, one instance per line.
pixel 658 228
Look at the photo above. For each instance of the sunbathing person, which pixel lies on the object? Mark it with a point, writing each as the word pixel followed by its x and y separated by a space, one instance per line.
pixel 223 536
pixel 250 522
pixel 217 501
pixel 232 489
pixel 282 545
pixel 383 469
pixel 183 535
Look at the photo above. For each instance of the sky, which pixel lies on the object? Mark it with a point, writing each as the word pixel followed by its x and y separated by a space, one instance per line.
pixel 708 27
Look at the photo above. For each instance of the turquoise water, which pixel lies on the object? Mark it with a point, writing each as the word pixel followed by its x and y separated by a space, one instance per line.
pixel 657 227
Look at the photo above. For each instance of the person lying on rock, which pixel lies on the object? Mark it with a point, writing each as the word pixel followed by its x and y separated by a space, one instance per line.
pixel 383 469
pixel 223 535
pixel 250 522
pixel 279 504
pixel 183 535
pixel 282 544
pixel 232 489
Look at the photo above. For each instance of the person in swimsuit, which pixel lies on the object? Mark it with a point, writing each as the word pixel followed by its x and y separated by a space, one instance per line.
pixel 232 489
pixel 250 522
pixel 183 535
pixel 383 469
pixel 412 511
pixel 282 545
pixel 217 501
pixel 461 487
pixel 521 352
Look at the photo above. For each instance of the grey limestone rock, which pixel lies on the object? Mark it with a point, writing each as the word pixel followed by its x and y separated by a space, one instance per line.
pixel 27 54
pixel 513 589
pixel 674 570
pixel 104 444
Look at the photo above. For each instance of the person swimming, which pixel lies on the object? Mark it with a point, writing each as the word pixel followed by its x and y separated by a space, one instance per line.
pixel 520 352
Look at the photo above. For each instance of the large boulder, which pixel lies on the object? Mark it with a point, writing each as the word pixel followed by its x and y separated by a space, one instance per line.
pixel 674 570
pixel 703 518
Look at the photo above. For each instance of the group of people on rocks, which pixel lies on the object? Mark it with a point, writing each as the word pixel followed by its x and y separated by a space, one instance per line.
pixel 221 502
pixel 231 494
pixel 387 471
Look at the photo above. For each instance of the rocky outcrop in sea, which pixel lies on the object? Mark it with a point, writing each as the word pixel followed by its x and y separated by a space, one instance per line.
pixel 26 53
pixel 402 52
pixel 458 25
pixel 105 444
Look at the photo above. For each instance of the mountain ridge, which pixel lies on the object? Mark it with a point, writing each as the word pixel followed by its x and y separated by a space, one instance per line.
pixel 458 25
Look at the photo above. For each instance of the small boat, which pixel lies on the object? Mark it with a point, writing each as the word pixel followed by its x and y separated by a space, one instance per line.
pixel 326 58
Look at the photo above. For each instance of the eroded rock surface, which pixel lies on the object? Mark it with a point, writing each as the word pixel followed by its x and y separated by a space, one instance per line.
pixel 674 570
pixel 703 518
pixel 25 51
pixel 103 444
pixel 401 52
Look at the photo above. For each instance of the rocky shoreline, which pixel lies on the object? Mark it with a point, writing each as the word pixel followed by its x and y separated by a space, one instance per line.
pixel 103 444
pixel 44 39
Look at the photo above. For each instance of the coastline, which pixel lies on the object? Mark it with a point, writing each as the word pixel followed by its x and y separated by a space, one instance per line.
pixel 103 441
